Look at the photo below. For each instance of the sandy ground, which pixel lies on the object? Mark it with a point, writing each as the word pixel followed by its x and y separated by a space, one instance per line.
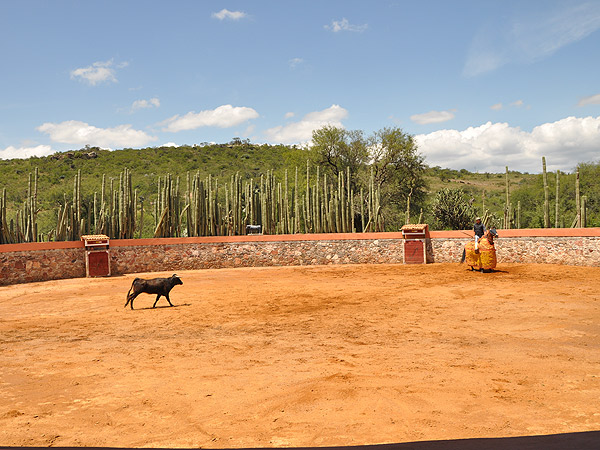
pixel 302 356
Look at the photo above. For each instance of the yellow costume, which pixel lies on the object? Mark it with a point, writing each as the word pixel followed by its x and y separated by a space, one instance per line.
pixel 485 258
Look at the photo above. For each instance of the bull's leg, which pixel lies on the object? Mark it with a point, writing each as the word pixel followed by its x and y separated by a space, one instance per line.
pixel 156 301
pixel 168 299
pixel 130 299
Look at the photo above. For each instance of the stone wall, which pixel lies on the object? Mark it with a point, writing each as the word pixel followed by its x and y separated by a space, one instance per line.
pixel 156 258
pixel 41 265
pixel 21 263
pixel 576 251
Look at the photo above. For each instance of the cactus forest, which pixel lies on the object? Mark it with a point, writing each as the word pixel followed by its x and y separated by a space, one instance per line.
pixel 201 207
pixel 217 190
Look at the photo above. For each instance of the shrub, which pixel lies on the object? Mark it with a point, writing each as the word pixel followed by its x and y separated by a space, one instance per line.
pixel 451 210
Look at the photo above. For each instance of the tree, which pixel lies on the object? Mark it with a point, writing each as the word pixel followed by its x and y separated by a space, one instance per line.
pixel 393 151
pixel 390 154
pixel 398 168
pixel 336 149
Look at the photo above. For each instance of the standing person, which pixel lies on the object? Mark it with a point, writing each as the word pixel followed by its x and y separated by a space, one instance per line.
pixel 479 229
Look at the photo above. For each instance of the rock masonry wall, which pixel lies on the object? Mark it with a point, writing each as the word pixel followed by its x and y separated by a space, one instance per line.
pixel 255 254
pixel 576 251
pixel 41 265
pixel 57 263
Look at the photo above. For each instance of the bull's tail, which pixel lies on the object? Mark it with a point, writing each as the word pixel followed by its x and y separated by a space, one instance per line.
pixel 129 293
pixel 464 255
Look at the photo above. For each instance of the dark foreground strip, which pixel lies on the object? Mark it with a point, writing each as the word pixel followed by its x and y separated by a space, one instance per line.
pixel 589 440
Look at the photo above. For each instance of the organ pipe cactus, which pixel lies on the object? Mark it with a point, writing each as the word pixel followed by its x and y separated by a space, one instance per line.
pixel 546 195
pixel 577 200
pixel 24 227
pixel 5 234
pixel 112 213
pixel 584 211
pixel 557 204
pixel 507 205
pixel 208 208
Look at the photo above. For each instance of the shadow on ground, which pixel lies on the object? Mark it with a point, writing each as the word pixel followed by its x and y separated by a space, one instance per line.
pixel 576 441
pixel 145 308
pixel 589 440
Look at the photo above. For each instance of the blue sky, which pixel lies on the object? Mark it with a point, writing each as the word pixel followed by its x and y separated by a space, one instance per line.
pixel 480 84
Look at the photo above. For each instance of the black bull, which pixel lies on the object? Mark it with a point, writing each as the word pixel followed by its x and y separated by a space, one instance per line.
pixel 158 286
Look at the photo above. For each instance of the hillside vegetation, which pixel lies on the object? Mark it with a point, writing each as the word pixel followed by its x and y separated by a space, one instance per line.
pixel 222 161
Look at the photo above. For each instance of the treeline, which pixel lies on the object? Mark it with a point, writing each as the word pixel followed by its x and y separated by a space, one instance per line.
pixel 227 186
pixel 346 181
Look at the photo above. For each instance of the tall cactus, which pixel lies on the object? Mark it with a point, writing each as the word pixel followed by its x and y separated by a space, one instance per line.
pixel 5 235
pixel 507 205
pixel 483 200
pixel 577 200
pixel 24 227
pixel 546 195
pixel 168 208
pixel 556 201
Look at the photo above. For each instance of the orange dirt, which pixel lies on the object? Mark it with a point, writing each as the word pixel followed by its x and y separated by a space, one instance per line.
pixel 302 356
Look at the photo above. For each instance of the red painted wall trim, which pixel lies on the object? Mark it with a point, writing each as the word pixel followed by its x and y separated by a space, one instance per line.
pixel 458 234
pixel 551 232
pixel 522 233
pixel 33 246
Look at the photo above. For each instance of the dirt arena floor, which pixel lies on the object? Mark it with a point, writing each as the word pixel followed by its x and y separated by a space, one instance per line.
pixel 302 356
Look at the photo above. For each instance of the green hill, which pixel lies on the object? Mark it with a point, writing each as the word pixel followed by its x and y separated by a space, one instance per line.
pixel 57 173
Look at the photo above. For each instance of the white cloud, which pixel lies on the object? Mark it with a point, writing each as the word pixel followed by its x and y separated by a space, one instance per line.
pixel 81 133
pixel 230 15
pixel 98 72
pixel 591 100
pixel 433 117
pixel 170 144
pixel 492 146
pixel 145 104
pixel 224 116
pixel 295 62
pixel 515 104
pixel 289 115
pixel 301 132
pixel 528 39
pixel 343 25
pixel 25 152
